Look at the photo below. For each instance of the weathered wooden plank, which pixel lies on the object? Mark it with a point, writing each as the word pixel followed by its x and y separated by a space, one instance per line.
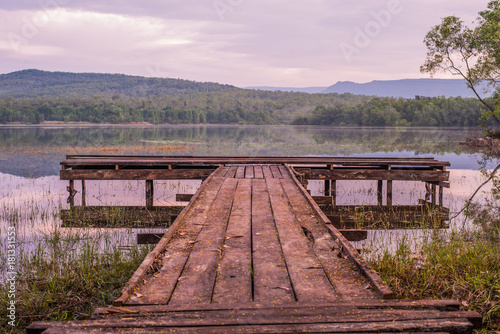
pixel 271 280
pixel 308 279
pixel 377 283
pixel 223 172
pixel 240 172
pixel 375 174
pixel 119 216
pixel 150 258
pixel 266 170
pixel 140 174
pixel 232 171
pixel 183 197
pixel 276 172
pixel 234 274
pixel 187 160
pixel 159 287
pixel 258 172
pixel 284 172
pixel 198 276
pixel 343 274
pixel 422 304
pixel 330 320
pixel 249 174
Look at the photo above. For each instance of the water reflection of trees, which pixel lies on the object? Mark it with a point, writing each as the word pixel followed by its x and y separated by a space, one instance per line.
pixel 39 150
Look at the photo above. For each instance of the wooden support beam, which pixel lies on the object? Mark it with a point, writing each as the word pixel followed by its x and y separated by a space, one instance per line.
pixel 154 238
pixel 149 238
pixel 183 197
pixel 374 174
pixel 323 200
pixel 149 193
pixel 130 174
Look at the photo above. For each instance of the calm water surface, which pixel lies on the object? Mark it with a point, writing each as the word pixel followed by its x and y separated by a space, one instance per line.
pixel 31 193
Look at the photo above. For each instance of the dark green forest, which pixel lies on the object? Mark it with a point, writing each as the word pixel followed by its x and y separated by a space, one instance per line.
pixel 33 97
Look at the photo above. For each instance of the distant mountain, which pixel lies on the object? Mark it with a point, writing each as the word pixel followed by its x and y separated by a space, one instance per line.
pixel 30 83
pixel 311 90
pixel 407 88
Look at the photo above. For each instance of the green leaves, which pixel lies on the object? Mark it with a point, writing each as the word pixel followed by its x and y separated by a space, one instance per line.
pixel 472 53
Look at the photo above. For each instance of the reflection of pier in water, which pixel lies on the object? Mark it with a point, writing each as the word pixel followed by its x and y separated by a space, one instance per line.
pixel 429 212
pixel 253 252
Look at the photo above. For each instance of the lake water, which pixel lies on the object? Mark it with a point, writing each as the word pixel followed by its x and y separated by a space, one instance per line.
pixel 31 194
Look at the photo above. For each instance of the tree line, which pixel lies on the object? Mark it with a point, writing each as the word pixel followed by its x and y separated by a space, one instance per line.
pixel 247 107
pixel 436 111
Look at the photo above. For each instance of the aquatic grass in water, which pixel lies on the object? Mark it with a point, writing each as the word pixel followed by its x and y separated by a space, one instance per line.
pixel 67 276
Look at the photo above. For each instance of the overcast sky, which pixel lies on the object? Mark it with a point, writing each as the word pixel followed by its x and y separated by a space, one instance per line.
pixel 287 43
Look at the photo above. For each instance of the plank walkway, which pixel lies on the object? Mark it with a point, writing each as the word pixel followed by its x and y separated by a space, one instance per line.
pixel 253 253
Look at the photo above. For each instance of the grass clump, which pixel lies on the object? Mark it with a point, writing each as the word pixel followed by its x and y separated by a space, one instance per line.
pixel 464 266
pixel 66 278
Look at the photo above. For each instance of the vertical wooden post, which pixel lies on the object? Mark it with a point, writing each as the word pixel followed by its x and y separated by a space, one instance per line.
pixel 327 187
pixel 71 197
pixel 433 194
pixel 379 192
pixel 441 196
pixel 334 192
pixel 149 194
pixel 389 192
pixel 84 202
pixel 328 183
pixel 427 192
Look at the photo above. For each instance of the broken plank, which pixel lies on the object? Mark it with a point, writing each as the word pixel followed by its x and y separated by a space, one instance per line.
pixel 309 281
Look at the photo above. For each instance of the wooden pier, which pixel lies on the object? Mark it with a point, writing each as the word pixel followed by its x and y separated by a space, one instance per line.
pixel 253 252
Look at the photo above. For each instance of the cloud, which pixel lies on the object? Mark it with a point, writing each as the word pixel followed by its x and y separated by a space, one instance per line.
pixel 241 42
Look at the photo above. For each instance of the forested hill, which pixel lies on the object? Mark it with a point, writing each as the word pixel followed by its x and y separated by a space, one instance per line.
pixel 31 83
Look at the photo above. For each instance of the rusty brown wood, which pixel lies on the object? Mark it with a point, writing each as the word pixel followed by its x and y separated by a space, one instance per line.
pixel 374 174
pixel 234 274
pixel 148 261
pixel 377 283
pixel 271 280
pixel 142 174
pixel 199 273
pixel 249 174
pixel 308 278
pixel 240 172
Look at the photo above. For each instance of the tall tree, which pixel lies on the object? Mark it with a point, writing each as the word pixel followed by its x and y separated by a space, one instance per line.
pixel 472 53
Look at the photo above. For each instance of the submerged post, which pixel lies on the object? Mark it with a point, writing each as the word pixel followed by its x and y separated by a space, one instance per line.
pixel 83 193
pixel 149 194
pixel 71 196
